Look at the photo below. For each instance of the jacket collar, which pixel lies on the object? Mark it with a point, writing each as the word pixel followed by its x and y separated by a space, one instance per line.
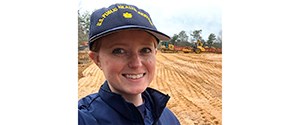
pixel 153 98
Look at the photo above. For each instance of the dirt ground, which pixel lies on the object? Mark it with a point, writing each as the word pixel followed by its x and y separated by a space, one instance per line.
pixel 194 82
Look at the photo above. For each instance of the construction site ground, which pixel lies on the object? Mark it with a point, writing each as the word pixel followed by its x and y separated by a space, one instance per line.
pixel 194 82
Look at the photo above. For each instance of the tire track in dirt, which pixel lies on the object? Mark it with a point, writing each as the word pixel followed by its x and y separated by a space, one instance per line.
pixel 184 64
pixel 177 102
pixel 91 81
pixel 209 87
pixel 206 73
pixel 182 99
pixel 167 82
pixel 191 83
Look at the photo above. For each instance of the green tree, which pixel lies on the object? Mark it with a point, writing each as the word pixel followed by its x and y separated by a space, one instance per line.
pixel 83 26
pixel 196 35
pixel 182 36
pixel 219 38
pixel 184 43
pixel 174 39
pixel 211 39
pixel 218 43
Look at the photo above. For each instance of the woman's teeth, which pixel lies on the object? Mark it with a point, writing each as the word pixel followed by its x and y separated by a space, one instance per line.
pixel 134 76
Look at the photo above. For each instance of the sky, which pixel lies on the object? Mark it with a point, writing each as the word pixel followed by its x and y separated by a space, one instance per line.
pixel 172 17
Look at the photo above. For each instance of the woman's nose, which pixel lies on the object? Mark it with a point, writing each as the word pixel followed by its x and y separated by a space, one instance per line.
pixel 135 61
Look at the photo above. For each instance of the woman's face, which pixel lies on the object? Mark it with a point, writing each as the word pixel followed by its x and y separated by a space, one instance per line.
pixel 127 59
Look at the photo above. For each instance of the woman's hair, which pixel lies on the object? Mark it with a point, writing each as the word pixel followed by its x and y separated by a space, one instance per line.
pixel 96 45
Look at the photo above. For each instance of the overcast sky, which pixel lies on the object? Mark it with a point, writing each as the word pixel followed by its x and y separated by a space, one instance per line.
pixel 172 17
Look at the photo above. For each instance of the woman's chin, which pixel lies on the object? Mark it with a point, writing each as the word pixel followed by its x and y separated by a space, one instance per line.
pixel 136 91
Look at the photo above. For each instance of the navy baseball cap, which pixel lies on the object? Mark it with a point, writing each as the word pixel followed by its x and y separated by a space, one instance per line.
pixel 117 17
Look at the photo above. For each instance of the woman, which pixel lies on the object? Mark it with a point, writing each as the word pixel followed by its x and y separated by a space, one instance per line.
pixel 123 44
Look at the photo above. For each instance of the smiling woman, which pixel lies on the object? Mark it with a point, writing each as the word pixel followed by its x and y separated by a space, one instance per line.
pixel 124 48
pixel 127 59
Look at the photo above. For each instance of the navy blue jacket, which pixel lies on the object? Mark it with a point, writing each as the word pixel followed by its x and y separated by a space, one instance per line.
pixel 107 108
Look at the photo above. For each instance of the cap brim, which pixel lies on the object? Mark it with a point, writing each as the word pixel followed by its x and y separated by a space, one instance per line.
pixel 154 32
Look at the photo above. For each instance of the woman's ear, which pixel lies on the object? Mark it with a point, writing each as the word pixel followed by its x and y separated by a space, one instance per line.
pixel 95 57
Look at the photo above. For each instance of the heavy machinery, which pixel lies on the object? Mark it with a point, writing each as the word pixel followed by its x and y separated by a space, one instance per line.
pixel 199 47
pixel 187 49
pixel 167 47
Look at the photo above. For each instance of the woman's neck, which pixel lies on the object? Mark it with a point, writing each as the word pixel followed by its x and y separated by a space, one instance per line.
pixel 137 100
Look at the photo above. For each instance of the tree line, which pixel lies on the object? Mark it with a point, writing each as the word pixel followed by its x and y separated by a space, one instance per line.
pixel 83 26
pixel 182 39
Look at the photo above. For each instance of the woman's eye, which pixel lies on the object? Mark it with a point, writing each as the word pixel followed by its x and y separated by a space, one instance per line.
pixel 118 51
pixel 146 50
